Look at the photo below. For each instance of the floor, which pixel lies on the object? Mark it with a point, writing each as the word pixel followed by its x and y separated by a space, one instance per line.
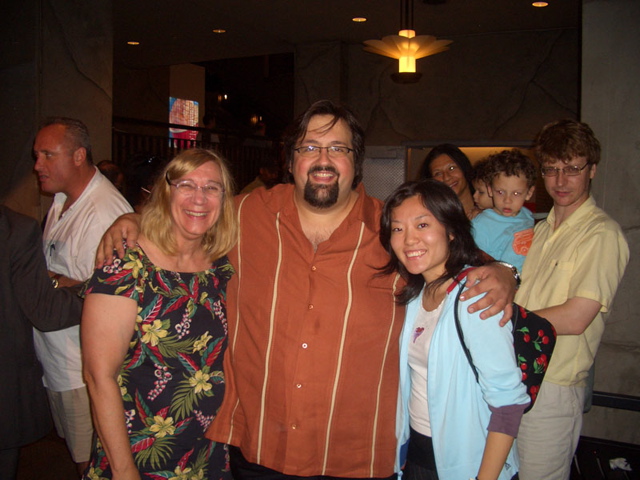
pixel 48 459
pixel 593 460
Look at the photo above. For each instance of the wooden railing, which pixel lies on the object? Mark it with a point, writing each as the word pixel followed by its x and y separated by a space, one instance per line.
pixel 244 154
pixel 616 400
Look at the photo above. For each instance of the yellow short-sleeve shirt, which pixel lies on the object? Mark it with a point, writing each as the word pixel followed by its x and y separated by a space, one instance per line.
pixel 584 257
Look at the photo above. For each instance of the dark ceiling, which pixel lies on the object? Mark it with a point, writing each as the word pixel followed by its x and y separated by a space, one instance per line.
pixel 172 33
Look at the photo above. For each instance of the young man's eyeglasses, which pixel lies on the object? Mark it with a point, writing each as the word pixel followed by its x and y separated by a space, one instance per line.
pixel 569 170
pixel 189 188
pixel 313 151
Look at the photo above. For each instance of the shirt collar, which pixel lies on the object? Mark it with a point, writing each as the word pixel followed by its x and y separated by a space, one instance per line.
pixel 576 218
pixel 60 198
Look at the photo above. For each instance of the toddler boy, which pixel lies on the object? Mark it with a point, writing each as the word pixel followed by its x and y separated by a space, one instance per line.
pixel 481 178
pixel 505 231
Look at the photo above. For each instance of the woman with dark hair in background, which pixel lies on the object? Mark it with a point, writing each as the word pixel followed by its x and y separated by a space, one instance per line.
pixel 456 427
pixel 446 163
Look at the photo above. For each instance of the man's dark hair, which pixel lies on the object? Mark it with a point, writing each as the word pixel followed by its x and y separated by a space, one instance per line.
pixel 566 139
pixel 75 130
pixel 298 129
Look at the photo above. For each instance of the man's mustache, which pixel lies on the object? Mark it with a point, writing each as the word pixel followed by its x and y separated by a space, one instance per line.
pixel 323 168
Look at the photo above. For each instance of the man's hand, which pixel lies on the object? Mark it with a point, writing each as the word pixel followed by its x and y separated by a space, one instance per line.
pixel 500 287
pixel 126 227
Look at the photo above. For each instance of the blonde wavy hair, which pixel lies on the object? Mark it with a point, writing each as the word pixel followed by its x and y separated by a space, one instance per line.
pixel 157 224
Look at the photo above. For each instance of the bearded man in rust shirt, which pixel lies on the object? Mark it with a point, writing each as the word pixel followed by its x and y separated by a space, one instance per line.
pixel 311 370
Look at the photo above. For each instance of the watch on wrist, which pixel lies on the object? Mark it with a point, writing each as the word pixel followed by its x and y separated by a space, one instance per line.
pixel 514 272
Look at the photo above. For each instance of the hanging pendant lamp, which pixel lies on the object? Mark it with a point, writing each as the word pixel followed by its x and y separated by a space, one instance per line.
pixel 406 47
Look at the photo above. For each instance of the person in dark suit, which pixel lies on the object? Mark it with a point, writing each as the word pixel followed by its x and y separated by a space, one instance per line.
pixel 28 299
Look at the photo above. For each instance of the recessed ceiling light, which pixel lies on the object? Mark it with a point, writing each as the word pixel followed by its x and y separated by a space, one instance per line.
pixel 219 30
pixel 358 19
pixel 133 43
pixel 540 4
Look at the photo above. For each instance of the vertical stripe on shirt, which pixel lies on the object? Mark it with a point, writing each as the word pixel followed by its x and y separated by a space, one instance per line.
pixel 345 322
pixel 272 319
pixel 382 367
pixel 233 338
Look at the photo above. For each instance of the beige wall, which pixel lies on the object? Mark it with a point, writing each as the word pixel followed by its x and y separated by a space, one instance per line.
pixel 611 105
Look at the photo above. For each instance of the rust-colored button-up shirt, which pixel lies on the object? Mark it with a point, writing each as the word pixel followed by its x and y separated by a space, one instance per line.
pixel 312 365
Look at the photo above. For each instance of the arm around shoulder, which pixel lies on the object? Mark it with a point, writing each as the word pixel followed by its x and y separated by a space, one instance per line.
pixel 126 227
pixel 498 284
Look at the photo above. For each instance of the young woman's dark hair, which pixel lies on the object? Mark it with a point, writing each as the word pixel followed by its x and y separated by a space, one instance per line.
pixel 456 155
pixel 444 204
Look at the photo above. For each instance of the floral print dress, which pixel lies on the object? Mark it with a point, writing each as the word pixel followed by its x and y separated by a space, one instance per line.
pixel 171 379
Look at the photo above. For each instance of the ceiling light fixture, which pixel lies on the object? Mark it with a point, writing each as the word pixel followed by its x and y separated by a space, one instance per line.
pixel 540 4
pixel 133 43
pixel 406 46
pixel 358 19
pixel 219 30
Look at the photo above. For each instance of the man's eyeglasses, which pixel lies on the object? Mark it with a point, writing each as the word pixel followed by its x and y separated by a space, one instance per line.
pixel 569 170
pixel 313 151
pixel 189 188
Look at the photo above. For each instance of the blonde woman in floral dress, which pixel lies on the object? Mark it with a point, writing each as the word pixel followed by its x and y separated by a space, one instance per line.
pixel 154 331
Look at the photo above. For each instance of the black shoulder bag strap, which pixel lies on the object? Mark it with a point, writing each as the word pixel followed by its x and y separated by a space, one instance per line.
pixel 459 329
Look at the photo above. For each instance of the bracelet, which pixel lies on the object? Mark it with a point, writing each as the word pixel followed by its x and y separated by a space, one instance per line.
pixel 514 272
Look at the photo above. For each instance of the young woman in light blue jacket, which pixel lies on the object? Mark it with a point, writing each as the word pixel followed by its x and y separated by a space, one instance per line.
pixel 450 426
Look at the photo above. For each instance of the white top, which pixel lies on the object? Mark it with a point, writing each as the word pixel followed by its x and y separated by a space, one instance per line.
pixel 70 242
pixel 423 329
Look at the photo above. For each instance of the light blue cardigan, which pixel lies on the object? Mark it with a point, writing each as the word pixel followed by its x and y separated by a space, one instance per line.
pixel 458 405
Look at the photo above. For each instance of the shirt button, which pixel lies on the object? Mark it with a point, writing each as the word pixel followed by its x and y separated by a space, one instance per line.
pixel 304 345
pixel 294 426
pixel 314 268
pixel 298 385
pixel 311 306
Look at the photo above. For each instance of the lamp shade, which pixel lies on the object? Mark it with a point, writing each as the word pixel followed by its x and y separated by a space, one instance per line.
pixel 407 49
